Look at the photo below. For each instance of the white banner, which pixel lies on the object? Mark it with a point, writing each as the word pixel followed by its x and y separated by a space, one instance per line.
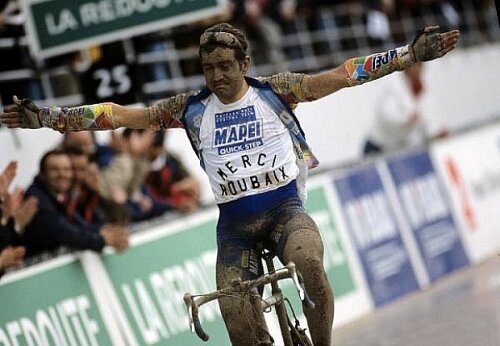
pixel 470 167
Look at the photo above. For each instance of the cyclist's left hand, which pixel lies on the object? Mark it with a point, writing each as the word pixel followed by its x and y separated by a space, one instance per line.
pixel 430 44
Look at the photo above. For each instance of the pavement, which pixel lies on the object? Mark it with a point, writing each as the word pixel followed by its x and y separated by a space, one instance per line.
pixel 462 309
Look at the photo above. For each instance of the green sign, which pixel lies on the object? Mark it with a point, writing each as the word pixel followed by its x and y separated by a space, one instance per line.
pixel 152 278
pixel 53 305
pixel 58 26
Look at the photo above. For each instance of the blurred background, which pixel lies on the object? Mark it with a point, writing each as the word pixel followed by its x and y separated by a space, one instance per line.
pixel 294 35
pixel 425 205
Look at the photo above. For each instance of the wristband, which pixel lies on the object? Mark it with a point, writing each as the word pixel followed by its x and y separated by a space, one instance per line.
pixel 405 57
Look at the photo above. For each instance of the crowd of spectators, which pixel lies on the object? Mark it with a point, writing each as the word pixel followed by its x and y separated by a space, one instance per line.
pixel 86 196
pixel 283 34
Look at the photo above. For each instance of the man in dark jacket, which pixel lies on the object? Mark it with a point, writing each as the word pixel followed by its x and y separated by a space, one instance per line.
pixel 50 228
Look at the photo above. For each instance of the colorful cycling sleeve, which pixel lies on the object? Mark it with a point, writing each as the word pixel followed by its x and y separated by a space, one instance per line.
pixel 289 86
pixel 368 68
pixel 168 112
pixel 89 117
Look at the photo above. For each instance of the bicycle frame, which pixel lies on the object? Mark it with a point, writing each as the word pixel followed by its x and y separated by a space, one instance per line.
pixel 193 303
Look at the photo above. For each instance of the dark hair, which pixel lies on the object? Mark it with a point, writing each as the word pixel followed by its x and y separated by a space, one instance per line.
pixel 46 156
pixel 127 132
pixel 67 134
pixel 73 150
pixel 159 139
pixel 240 46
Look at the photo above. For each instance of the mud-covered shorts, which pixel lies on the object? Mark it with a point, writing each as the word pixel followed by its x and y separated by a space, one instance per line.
pixel 263 221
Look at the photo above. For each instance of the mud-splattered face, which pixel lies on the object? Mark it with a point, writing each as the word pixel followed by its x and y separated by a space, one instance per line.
pixel 224 75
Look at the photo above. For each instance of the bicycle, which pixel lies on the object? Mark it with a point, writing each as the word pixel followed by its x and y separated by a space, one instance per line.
pixel 292 333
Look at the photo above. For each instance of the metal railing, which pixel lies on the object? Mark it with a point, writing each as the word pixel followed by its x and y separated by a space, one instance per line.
pixel 312 41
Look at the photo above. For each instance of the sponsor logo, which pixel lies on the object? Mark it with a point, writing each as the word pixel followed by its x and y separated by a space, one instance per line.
pixel 237 131
pixel 383 59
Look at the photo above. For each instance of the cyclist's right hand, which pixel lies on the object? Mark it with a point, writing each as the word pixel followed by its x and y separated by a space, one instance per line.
pixel 23 113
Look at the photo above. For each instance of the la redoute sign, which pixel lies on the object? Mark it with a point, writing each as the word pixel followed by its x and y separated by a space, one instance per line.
pixel 59 26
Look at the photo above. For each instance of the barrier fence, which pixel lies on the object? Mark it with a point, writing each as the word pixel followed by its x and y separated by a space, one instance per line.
pixel 390 226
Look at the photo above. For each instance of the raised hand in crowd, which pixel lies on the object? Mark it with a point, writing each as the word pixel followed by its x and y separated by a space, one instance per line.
pixel 21 211
pixel 25 213
pixel 11 256
pixel 6 178
pixel 115 236
pixel 11 202
pixel 185 195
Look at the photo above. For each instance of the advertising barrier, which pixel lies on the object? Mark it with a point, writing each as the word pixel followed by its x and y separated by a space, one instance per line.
pixel 388 228
pixel 352 296
pixel 470 167
pixel 151 278
pixel 427 213
pixel 373 227
pixel 352 299
pixel 52 303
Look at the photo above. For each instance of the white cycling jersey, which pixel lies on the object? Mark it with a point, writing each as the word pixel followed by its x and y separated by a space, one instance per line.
pixel 245 147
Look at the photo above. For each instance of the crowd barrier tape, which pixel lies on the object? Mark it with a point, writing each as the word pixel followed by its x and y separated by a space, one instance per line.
pixel 470 167
pixel 389 226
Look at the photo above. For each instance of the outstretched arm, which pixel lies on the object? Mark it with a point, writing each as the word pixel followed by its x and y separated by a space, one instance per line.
pixel 428 45
pixel 103 116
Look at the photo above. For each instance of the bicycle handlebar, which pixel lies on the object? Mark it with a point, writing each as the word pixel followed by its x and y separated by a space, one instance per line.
pixel 306 299
pixel 194 320
pixel 193 304
pixel 298 280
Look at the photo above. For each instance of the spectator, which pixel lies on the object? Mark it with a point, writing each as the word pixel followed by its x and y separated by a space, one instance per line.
pixel 50 228
pixel 168 182
pixel 399 121
pixel 12 228
pixel 255 16
pixel 6 178
pixel 14 217
pixel 15 54
pixel 85 140
pixel 11 256
pixel 377 20
pixel 123 179
pixel 85 200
